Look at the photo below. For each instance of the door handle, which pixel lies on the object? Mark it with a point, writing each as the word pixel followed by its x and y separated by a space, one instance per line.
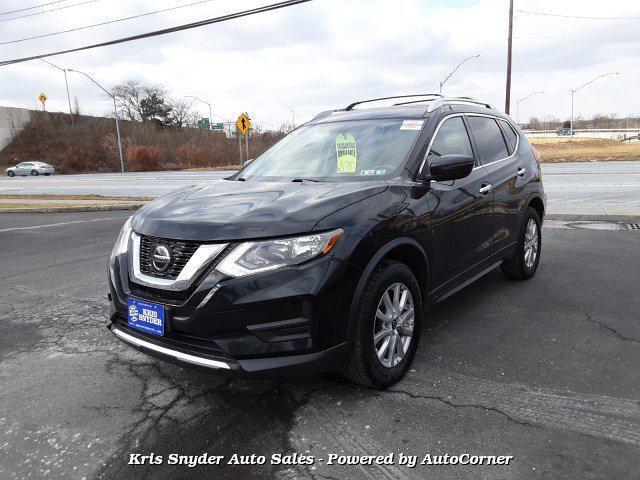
pixel 484 189
pixel 521 171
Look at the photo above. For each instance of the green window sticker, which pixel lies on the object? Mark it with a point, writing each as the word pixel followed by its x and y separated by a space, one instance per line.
pixel 346 153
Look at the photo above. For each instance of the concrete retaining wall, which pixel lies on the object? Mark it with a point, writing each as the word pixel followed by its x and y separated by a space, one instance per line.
pixel 12 120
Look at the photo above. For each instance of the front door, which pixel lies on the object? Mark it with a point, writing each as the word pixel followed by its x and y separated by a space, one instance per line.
pixel 461 211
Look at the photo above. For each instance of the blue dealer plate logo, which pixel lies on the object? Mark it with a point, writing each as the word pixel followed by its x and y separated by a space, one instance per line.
pixel 145 316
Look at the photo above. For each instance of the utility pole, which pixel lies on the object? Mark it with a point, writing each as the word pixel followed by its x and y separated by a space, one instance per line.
pixel 115 109
pixel 63 70
pixel 507 101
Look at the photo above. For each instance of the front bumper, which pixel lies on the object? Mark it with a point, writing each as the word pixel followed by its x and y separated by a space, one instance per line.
pixel 289 322
pixel 282 366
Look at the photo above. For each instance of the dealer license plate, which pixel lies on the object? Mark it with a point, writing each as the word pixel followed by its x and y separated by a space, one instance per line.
pixel 145 316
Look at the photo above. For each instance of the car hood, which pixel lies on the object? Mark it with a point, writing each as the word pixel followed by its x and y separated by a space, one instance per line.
pixel 227 210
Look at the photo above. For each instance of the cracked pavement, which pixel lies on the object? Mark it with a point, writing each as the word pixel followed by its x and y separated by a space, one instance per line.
pixel 544 370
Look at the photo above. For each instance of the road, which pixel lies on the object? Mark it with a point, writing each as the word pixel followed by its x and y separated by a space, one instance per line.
pixel 139 184
pixel 591 188
pixel 546 370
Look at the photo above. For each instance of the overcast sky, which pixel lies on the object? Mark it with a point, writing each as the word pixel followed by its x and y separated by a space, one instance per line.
pixel 327 53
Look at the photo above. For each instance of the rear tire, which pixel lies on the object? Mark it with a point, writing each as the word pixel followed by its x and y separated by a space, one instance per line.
pixel 524 263
pixel 34 173
pixel 401 328
pixel 10 174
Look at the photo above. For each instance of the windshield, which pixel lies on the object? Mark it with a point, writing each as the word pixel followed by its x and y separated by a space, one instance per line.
pixel 359 150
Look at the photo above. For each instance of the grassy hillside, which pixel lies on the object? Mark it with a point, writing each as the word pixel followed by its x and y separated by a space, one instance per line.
pixel 89 145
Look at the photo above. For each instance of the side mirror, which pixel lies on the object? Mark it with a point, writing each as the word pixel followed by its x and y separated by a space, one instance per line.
pixel 247 162
pixel 449 167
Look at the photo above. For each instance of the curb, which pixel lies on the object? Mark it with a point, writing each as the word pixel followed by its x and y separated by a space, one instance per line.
pixel 78 208
pixel 568 217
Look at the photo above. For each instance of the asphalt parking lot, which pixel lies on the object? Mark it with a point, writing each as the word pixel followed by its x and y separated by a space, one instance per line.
pixel 546 370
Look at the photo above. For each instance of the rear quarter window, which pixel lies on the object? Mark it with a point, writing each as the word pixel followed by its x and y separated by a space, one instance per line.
pixel 488 138
pixel 512 136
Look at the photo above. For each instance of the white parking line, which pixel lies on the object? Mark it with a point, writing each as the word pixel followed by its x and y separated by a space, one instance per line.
pixel 61 223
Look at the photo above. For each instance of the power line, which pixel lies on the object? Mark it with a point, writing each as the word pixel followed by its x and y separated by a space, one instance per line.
pixel 547 14
pixel 579 33
pixel 47 11
pixel 31 8
pixel 103 23
pixel 201 23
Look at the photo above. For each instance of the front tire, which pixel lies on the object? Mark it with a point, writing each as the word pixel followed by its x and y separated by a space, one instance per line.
pixel 524 263
pixel 10 174
pixel 34 173
pixel 386 330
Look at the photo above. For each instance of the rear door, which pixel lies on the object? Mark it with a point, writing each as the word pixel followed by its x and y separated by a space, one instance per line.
pixel 500 160
pixel 462 210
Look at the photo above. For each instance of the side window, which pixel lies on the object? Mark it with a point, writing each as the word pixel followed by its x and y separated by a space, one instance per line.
pixel 512 136
pixel 489 139
pixel 451 139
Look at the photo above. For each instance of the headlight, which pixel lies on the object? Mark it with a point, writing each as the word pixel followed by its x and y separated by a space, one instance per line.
pixel 122 243
pixel 255 257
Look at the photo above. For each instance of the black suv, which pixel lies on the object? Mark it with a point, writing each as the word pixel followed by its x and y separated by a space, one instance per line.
pixel 326 252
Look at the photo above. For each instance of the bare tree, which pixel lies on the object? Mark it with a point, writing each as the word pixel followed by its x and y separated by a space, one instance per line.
pixel 182 113
pixel 76 106
pixel 143 103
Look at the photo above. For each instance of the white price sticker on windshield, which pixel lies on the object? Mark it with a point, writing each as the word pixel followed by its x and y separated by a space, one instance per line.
pixel 412 125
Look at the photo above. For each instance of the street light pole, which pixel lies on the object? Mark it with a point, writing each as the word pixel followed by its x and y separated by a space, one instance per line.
pixel 582 86
pixel 64 70
pixel 115 109
pixel 206 103
pixel 455 69
pixel 522 100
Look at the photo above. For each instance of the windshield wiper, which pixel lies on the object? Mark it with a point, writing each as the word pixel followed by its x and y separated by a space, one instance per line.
pixel 240 179
pixel 300 180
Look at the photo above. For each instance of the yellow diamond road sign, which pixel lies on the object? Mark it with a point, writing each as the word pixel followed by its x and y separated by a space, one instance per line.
pixel 243 124
pixel 42 97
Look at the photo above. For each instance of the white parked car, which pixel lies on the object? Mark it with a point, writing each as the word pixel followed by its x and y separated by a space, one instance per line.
pixel 30 168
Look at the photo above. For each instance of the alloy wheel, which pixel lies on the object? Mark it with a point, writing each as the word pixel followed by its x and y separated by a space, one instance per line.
pixel 531 243
pixel 394 323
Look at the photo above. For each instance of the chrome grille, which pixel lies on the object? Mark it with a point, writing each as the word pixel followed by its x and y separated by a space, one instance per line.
pixel 181 252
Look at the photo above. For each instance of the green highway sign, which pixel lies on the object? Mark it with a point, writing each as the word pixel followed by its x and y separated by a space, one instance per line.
pixel 217 126
pixel 203 123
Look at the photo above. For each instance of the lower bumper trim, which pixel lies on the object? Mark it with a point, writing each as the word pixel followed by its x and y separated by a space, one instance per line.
pixel 183 357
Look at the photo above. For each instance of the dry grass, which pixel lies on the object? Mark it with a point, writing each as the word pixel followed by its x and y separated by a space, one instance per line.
pixel 34 206
pixel 554 149
pixel 72 197
pixel 13 202
pixel 89 145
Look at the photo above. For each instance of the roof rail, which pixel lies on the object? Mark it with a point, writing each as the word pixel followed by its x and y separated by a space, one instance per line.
pixel 324 114
pixel 350 107
pixel 456 100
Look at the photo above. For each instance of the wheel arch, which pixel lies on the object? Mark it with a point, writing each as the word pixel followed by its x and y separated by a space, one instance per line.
pixel 537 204
pixel 405 250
